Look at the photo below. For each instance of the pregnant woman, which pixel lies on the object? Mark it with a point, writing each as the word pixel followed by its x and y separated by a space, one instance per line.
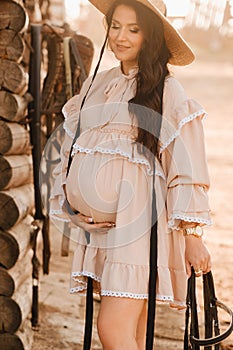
pixel 139 133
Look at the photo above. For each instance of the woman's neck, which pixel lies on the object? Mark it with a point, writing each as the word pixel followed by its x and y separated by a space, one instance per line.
pixel 126 67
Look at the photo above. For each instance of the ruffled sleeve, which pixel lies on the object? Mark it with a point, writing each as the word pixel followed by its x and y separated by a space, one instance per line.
pixel 183 160
pixel 71 114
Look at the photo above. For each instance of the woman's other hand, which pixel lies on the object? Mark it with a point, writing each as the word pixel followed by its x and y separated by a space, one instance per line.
pixel 196 255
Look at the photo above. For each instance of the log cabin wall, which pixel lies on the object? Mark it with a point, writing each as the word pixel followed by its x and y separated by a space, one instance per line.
pixel 16 182
pixel 16 188
pixel 17 202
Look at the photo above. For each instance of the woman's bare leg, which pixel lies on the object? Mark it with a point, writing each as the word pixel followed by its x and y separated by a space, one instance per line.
pixel 141 328
pixel 118 322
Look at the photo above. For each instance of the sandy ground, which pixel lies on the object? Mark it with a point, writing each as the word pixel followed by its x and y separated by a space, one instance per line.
pixel 62 315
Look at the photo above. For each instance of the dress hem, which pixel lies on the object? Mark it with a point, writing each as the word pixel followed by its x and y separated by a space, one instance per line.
pixel 81 291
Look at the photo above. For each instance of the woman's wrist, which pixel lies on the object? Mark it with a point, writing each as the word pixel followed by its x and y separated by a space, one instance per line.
pixel 196 231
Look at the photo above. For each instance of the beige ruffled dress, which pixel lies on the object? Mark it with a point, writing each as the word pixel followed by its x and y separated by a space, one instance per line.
pixel 111 181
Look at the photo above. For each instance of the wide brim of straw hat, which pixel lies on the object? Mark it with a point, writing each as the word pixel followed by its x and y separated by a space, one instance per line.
pixel 181 53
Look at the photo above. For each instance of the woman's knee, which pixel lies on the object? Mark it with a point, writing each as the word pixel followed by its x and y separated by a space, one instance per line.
pixel 111 332
pixel 112 339
pixel 117 322
pixel 104 330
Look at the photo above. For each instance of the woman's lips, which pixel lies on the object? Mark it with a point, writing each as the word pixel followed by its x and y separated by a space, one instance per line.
pixel 122 48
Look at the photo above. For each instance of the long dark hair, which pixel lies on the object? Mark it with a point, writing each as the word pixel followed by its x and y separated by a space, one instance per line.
pixel 152 62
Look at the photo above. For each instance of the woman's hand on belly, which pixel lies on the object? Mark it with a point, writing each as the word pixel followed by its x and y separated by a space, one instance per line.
pixel 87 224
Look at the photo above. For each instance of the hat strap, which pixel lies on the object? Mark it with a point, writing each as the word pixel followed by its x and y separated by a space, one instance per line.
pixel 77 133
pixel 89 315
pixel 153 274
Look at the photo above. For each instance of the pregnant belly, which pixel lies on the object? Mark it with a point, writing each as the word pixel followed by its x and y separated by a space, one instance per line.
pixel 94 184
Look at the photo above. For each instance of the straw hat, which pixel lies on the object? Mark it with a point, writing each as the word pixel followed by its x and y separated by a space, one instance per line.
pixel 181 54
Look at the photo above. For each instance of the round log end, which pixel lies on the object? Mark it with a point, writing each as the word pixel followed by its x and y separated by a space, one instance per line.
pixel 10 342
pixel 13 15
pixel 7 285
pixel 9 212
pixel 5 138
pixel 13 77
pixel 5 172
pixel 9 250
pixel 11 45
pixel 8 105
pixel 10 315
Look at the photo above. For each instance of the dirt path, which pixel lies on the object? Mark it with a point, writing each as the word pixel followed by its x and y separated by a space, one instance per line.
pixel 61 314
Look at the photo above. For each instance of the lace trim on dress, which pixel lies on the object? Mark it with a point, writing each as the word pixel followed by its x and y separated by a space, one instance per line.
pixel 171 222
pixel 164 298
pixel 68 131
pixel 110 293
pixel 77 148
pixel 112 130
pixel 86 274
pixel 159 298
pixel 180 125
pixel 78 289
pixel 53 213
